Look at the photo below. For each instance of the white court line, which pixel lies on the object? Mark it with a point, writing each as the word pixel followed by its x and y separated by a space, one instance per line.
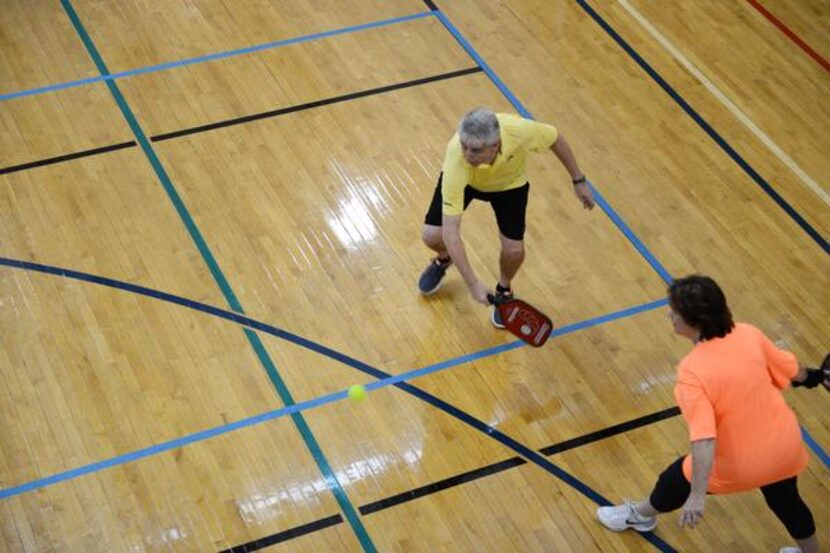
pixel 736 111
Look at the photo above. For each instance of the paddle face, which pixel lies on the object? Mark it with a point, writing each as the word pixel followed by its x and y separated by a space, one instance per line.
pixel 525 321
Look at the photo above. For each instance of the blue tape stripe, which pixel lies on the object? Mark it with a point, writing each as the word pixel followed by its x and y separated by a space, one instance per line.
pixel 167 446
pixel 523 111
pixel 814 445
pixel 633 238
pixel 611 316
pixel 481 63
pixel 50 88
pixel 385 380
pixel 212 57
pixel 759 180
pixel 348 509
pixel 489 352
pixel 294 408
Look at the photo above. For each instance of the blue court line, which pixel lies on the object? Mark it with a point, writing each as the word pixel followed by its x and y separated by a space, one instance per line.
pixel 632 237
pixel 282 390
pixel 212 57
pixel 328 352
pixel 481 63
pixel 604 205
pixel 297 407
pixel 736 157
pixel 166 446
pixel 385 379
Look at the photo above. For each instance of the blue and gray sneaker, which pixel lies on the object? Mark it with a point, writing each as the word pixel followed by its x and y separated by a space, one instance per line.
pixel 432 276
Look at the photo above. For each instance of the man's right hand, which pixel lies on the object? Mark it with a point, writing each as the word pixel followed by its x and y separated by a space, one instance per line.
pixel 480 292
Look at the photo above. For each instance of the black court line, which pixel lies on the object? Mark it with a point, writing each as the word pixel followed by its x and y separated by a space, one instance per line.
pixel 611 431
pixel 67 157
pixel 244 119
pixel 314 104
pixel 488 470
pixel 462 478
pixel 286 535
pixel 708 129
pixel 444 484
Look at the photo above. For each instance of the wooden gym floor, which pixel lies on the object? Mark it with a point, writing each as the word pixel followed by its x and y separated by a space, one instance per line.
pixel 209 229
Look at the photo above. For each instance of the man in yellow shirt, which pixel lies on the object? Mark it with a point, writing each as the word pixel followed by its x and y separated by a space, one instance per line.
pixel 486 160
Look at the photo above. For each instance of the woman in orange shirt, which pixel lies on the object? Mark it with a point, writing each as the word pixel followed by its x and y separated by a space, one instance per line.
pixel 729 392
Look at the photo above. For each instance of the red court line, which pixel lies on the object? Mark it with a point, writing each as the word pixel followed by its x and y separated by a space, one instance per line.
pixel 794 37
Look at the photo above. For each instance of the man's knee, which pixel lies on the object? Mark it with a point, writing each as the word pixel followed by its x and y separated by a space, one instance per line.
pixel 514 249
pixel 432 236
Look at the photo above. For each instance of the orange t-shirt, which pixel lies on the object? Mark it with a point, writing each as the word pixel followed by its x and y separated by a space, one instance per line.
pixel 730 389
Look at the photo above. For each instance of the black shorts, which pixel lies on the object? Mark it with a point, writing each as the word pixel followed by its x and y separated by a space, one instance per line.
pixel 509 206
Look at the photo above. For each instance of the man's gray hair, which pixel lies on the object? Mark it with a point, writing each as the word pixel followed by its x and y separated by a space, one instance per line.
pixel 480 127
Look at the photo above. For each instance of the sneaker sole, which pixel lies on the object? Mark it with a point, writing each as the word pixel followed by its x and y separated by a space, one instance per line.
pixel 430 292
pixel 649 529
pixel 493 321
pixel 636 529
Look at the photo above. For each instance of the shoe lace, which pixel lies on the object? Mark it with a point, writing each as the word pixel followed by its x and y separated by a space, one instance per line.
pixel 631 513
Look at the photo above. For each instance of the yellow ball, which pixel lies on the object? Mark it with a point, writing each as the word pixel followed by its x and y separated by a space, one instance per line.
pixel 357 393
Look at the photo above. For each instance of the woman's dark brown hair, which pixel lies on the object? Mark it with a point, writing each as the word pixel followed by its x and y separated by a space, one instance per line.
pixel 702 304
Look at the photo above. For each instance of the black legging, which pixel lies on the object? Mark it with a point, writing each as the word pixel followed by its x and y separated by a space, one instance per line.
pixel 672 489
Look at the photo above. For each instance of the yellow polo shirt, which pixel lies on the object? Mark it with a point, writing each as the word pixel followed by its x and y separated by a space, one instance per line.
pixel 519 137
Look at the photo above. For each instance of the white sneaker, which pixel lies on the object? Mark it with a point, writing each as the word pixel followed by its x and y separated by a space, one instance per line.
pixel 622 517
pixel 789 549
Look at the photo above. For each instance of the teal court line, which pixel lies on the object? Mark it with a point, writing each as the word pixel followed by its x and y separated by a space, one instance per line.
pixel 285 395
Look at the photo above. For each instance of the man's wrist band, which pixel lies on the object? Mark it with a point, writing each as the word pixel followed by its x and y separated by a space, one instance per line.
pixel 580 180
